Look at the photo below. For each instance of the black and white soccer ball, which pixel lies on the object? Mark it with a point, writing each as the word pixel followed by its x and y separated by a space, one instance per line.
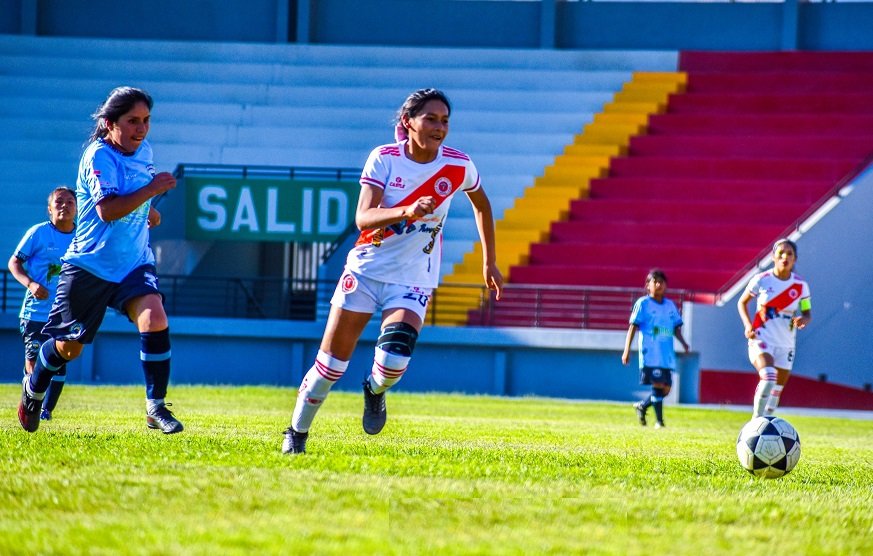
pixel 768 447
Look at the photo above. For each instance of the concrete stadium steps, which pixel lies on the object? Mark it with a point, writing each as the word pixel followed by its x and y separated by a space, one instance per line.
pixel 586 157
pixel 780 146
pixel 714 167
pixel 655 210
pixel 723 190
pixel 300 105
pixel 633 255
pixel 750 125
pixel 744 150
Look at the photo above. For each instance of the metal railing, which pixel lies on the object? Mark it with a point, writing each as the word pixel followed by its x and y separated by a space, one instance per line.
pixel 538 306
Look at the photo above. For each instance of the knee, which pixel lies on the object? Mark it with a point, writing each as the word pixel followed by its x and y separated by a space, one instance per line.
pixel 152 319
pixel 398 338
pixel 68 350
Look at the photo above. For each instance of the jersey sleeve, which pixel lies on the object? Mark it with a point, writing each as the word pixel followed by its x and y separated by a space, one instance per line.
pixel 636 312
pixel 376 171
pixel 26 246
pixel 471 181
pixel 101 176
pixel 752 286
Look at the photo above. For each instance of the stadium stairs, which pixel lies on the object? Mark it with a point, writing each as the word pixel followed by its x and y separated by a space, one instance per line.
pixel 753 142
pixel 295 105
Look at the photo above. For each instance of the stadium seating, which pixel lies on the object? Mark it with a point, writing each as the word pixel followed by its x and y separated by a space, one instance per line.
pixel 295 105
pixel 753 142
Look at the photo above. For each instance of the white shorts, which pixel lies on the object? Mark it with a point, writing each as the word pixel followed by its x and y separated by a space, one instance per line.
pixel 783 357
pixel 363 295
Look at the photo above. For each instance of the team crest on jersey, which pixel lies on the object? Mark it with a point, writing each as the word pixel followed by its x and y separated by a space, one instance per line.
pixel 348 283
pixel 443 186
pixel 397 183
pixel 793 293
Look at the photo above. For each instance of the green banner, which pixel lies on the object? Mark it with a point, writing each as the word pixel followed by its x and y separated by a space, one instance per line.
pixel 255 209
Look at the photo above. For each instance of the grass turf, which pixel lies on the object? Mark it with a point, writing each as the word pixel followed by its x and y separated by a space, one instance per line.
pixel 451 474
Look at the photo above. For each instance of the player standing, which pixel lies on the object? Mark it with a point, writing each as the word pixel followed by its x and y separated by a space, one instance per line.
pixel 780 295
pixel 658 321
pixel 110 262
pixel 406 189
pixel 36 264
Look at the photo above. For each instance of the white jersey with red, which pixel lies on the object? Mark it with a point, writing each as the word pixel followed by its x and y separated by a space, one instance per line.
pixel 408 253
pixel 778 301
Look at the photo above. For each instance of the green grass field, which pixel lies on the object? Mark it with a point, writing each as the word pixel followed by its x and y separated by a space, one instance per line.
pixel 449 474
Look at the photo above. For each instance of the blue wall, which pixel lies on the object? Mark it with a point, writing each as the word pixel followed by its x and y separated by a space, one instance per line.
pixel 550 23
pixel 514 362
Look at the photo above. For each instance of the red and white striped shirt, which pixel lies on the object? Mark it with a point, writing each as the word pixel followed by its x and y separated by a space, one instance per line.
pixel 409 252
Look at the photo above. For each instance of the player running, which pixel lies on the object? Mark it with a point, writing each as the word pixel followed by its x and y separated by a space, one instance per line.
pixel 406 189
pixel 36 264
pixel 780 295
pixel 110 262
pixel 658 321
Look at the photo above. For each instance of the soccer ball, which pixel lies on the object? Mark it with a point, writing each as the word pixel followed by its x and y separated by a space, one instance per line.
pixel 768 447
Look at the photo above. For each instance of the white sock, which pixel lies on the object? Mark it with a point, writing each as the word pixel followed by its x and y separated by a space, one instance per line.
pixel 314 389
pixel 388 369
pixel 151 405
pixel 30 392
pixel 773 400
pixel 762 392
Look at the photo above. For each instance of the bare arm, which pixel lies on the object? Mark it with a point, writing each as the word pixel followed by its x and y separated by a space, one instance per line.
pixel 631 332
pixel 16 267
pixel 678 333
pixel 114 207
pixel 369 215
pixel 801 321
pixel 485 225
pixel 742 308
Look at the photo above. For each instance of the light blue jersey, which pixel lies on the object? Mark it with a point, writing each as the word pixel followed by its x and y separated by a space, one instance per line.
pixel 657 323
pixel 41 250
pixel 111 250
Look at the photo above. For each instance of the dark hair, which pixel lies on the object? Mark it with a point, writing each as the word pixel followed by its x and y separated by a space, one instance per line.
pixel 656 274
pixel 60 189
pixel 414 103
pixel 785 241
pixel 119 102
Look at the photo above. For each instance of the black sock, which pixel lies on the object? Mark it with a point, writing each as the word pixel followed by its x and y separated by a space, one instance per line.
pixel 155 356
pixel 48 363
pixel 658 402
pixel 56 386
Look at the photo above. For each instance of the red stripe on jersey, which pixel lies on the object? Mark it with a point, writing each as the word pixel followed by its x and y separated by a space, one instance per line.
pixel 371 181
pixel 392 150
pixel 452 174
pixel 778 303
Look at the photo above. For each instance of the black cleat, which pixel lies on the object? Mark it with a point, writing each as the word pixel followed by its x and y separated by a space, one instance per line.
pixel 162 418
pixel 641 413
pixel 28 410
pixel 295 442
pixel 375 413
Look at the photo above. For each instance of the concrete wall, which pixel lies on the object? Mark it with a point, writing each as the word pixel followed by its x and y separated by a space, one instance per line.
pixel 549 24
pixel 514 362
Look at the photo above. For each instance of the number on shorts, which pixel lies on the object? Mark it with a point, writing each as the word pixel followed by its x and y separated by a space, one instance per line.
pixel 420 297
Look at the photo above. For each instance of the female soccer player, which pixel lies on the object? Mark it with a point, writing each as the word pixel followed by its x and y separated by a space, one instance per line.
pixel 780 295
pixel 658 320
pixel 406 189
pixel 110 262
pixel 36 264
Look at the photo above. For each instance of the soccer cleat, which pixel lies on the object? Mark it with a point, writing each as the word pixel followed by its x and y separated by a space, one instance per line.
pixel 375 413
pixel 641 413
pixel 162 418
pixel 46 415
pixel 28 410
pixel 295 442
pixel 660 425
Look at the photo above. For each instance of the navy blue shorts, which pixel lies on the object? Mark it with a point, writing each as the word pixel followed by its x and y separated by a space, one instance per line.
pixel 656 375
pixel 82 299
pixel 33 336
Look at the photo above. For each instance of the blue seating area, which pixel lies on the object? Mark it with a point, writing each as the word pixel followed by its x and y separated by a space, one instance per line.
pixel 295 105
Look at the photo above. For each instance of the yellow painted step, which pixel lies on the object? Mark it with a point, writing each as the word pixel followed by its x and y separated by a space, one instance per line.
pixel 574 149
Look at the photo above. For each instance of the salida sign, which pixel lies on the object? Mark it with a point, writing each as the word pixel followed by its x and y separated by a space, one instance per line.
pixel 268 210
